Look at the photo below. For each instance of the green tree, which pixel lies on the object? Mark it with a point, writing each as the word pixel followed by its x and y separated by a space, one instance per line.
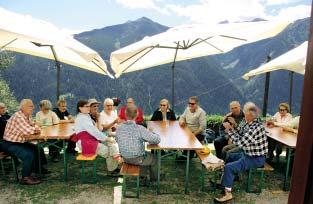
pixel 6 96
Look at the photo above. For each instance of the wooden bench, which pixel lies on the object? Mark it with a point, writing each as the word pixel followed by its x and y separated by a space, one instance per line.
pixel 83 158
pixel 130 170
pixel 211 168
pixel 2 157
pixel 261 170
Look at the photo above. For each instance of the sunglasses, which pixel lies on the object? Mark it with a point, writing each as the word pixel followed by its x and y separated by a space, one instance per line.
pixel 191 103
pixel 95 106
pixel 162 104
pixel 282 110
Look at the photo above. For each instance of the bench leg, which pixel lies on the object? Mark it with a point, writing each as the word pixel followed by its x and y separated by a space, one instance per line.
pixel 215 180
pixel 248 189
pixel 2 167
pixel 95 171
pixel 14 170
pixel 137 189
pixel 124 186
pixel 261 182
pixel 83 172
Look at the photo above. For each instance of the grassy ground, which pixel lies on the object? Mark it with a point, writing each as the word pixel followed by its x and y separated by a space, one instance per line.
pixel 54 190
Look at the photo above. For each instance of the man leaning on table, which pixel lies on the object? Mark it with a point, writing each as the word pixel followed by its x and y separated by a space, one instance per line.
pixel 131 139
pixel 252 138
pixel 18 127
pixel 194 117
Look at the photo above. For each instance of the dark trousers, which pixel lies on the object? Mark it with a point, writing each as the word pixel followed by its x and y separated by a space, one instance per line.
pixel 219 144
pixel 147 163
pixel 274 145
pixel 53 150
pixel 243 163
pixel 27 153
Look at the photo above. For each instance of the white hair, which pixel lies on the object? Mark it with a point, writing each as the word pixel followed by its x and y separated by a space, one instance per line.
pixel 108 101
pixel 25 102
pixel 2 105
pixel 251 108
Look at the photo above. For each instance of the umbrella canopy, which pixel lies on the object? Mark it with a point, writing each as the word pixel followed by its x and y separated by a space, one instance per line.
pixel 24 34
pixel 190 41
pixel 293 60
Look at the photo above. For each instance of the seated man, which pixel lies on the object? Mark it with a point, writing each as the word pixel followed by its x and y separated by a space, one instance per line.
pixel 252 138
pixel 194 118
pixel 235 117
pixel 131 140
pixel 4 117
pixel 94 113
pixel 122 114
pixel 19 126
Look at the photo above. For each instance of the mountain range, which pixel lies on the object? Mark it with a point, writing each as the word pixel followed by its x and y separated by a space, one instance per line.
pixel 215 79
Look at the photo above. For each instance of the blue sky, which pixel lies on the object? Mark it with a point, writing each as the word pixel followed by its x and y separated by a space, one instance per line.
pixel 80 15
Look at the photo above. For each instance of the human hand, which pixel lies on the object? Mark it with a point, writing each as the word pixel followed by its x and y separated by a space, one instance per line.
pixel 182 123
pixel 37 130
pixel 227 126
pixel 231 120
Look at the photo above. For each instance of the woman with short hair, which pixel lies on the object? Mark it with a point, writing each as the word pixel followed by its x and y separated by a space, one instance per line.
pixel 164 112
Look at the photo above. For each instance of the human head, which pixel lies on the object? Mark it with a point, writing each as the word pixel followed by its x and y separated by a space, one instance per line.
pixel 2 109
pixel 251 111
pixel 94 104
pixel 131 112
pixel 108 105
pixel 164 105
pixel 62 105
pixel 83 107
pixel 45 105
pixel 193 103
pixel 130 102
pixel 283 109
pixel 234 107
pixel 27 107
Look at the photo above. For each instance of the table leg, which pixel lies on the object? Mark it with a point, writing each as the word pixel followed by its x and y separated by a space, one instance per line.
pixel 287 168
pixel 64 160
pixel 39 158
pixel 187 172
pixel 159 171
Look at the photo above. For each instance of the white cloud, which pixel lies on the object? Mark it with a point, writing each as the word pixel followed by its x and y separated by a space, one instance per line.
pixel 212 11
pixel 141 4
pixel 296 12
pixel 280 2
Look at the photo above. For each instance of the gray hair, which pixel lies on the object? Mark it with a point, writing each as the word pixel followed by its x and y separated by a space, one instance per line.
pixel 234 103
pixel 45 104
pixel 2 105
pixel 164 100
pixel 131 112
pixel 251 108
pixel 108 101
pixel 25 102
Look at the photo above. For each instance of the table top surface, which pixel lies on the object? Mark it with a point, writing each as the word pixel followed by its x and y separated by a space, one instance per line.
pixel 58 131
pixel 284 137
pixel 174 137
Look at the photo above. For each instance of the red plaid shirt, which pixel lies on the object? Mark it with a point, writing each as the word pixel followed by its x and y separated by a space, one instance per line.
pixel 18 127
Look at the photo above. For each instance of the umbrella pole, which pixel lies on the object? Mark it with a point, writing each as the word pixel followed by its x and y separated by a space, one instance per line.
pixel 173 78
pixel 58 65
pixel 266 88
pixel 290 89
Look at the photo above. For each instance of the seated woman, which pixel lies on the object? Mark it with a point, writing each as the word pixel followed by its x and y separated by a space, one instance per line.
pixel 108 117
pixel 163 112
pixel 291 126
pixel 92 141
pixel 283 116
pixel 46 117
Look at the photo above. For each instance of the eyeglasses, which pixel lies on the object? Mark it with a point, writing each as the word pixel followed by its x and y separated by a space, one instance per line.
pixel 109 105
pixel 162 104
pixel 191 103
pixel 96 106
pixel 281 110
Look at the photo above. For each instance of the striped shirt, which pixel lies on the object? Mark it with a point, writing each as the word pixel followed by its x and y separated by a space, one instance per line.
pixel 18 126
pixel 251 137
pixel 131 137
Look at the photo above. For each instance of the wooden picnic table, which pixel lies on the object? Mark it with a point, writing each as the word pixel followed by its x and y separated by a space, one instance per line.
pixel 289 139
pixel 62 132
pixel 173 137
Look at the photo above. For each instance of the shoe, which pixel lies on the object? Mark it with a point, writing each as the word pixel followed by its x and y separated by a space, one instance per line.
pixel 228 196
pixel 29 181
pixel 114 173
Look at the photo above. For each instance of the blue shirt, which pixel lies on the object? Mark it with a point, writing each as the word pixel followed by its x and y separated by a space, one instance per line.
pixel 83 122
pixel 131 138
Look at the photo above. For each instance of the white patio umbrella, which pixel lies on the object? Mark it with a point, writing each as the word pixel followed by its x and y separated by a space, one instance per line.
pixel 293 60
pixel 24 34
pixel 190 41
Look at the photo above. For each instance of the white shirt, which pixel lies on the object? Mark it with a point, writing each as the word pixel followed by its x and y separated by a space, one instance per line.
pixel 106 119
pixel 47 119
